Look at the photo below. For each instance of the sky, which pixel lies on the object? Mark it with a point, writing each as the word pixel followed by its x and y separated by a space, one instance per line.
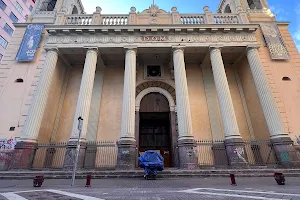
pixel 285 10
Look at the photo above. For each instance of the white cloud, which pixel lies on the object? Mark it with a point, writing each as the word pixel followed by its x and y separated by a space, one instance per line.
pixel 281 14
pixel 297 35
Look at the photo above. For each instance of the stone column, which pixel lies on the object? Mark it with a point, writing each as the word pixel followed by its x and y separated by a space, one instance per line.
pixel 82 109
pixel 235 146
pixel 25 149
pixel 127 143
pixel 188 157
pixel 283 145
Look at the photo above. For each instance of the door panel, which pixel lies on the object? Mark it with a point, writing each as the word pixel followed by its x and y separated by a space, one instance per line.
pixel 155 134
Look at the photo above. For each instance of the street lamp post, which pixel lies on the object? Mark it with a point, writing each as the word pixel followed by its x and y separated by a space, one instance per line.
pixel 80 122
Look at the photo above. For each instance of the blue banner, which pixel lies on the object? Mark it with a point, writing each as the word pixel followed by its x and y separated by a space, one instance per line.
pixel 30 42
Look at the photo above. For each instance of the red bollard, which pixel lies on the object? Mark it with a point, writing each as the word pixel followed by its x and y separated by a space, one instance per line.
pixel 279 178
pixel 38 180
pixel 232 177
pixel 88 181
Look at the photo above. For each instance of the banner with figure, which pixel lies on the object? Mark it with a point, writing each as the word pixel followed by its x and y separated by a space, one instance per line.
pixel 30 42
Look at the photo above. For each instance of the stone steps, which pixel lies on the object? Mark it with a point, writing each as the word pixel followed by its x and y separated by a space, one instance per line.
pixel 139 173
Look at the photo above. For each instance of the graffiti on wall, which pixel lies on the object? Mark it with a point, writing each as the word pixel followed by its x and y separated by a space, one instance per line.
pixel 240 152
pixel 8 144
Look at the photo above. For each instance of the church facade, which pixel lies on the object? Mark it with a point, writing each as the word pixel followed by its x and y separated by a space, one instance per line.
pixel 151 80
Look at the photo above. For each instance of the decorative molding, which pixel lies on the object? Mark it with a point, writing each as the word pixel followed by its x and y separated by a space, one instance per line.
pixel 273 38
pixel 159 84
pixel 180 38
pixel 151 90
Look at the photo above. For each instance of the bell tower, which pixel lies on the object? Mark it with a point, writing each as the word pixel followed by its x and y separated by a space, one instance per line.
pixel 45 10
pixel 253 8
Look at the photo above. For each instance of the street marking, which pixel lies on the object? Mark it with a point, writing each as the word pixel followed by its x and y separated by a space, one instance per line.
pixel 12 196
pixel 15 196
pixel 79 196
pixel 254 191
pixel 192 191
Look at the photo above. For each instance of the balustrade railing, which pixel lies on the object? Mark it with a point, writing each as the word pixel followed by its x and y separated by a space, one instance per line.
pixel 226 19
pixel 79 19
pixel 192 19
pixel 114 19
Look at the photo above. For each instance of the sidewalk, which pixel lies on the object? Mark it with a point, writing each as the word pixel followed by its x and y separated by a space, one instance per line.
pixel 137 173
pixel 211 188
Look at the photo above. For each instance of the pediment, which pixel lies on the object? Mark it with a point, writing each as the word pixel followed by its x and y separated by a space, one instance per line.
pixel 153 10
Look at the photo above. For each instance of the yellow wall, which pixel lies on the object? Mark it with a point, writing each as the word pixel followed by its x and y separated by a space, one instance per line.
pixel 69 105
pixel 237 103
pixel 109 127
pixel 52 103
pixel 16 98
pixel 257 118
pixel 198 105
pixel 285 93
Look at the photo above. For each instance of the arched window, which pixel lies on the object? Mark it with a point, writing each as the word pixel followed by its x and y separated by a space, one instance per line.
pixel 19 80
pixel 48 5
pixel 75 10
pixel 254 4
pixel 227 9
pixel 285 78
pixel 51 5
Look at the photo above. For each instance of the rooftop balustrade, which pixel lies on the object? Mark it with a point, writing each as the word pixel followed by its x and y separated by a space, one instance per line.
pixel 151 16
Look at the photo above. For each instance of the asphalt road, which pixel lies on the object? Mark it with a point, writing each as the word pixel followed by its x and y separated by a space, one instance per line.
pixel 161 189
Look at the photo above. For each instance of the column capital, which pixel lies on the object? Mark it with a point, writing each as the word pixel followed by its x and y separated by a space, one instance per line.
pixel 250 47
pixel 215 47
pixel 94 49
pixel 54 49
pixel 178 48
pixel 130 48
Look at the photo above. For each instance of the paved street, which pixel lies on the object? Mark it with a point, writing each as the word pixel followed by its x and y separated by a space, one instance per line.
pixel 161 189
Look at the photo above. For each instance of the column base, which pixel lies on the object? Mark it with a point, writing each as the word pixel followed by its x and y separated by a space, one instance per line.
pixel 23 155
pixel 236 152
pixel 71 155
pixel 285 152
pixel 188 156
pixel 127 154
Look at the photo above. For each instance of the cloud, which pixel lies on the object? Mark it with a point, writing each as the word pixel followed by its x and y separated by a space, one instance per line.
pixel 296 34
pixel 281 14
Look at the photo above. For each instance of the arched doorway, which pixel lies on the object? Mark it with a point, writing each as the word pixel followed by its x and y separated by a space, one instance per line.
pixel 155 126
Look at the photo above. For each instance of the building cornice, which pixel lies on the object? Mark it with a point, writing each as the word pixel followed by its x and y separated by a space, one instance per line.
pixel 173 28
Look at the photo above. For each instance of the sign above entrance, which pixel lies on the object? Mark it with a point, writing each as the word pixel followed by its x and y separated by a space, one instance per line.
pixel 161 38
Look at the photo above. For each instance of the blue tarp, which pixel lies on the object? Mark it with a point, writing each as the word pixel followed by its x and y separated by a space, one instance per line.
pixel 152 162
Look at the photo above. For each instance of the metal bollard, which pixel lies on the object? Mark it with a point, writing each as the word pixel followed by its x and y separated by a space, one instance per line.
pixel 232 177
pixel 88 181
pixel 38 181
pixel 279 178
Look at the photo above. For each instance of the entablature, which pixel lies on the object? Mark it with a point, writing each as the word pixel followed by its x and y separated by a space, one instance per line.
pixel 143 29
